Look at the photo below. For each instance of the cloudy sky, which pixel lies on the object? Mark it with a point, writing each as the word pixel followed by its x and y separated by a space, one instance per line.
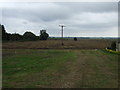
pixel 93 19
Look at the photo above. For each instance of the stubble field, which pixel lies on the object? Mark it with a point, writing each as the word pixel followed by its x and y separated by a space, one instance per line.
pixel 56 44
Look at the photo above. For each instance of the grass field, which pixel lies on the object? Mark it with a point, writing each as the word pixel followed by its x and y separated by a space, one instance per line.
pixel 37 68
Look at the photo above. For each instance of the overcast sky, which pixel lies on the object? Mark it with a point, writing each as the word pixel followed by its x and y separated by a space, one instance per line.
pixel 93 19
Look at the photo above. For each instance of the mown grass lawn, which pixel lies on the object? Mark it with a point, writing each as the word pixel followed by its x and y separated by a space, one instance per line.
pixel 34 68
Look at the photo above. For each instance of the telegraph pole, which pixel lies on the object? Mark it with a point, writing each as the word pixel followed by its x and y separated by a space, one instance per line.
pixel 62 33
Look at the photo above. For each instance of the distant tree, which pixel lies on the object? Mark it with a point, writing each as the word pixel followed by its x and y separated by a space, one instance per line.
pixel 113 46
pixel 8 36
pixel 0 32
pixel 3 32
pixel 29 36
pixel 75 39
pixel 5 35
pixel 15 37
pixel 44 36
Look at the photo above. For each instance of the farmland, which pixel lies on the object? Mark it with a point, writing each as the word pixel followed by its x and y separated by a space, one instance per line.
pixel 47 64
pixel 56 44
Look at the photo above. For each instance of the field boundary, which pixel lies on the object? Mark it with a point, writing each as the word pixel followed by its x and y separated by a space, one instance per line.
pixel 112 51
pixel 58 48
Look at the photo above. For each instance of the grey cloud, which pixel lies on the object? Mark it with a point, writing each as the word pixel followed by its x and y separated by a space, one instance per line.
pixel 58 11
pixel 91 6
pixel 96 25
pixel 35 16
pixel 37 13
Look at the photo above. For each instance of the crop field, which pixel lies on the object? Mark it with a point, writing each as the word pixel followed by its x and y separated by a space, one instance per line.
pixel 44 64
pixel 56 44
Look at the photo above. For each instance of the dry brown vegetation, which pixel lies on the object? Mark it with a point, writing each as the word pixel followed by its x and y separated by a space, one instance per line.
pixel 56 44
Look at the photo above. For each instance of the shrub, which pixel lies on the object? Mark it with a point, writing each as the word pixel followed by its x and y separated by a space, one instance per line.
pixel 29 36
pixel 75 39
pixel 108 48
pixel 113 46
pixel 44 36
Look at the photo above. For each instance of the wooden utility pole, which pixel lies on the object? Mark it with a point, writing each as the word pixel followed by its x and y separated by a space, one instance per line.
pixel 62 33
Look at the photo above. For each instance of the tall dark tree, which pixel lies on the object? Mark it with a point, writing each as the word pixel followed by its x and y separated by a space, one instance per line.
pixel 5 35
pixel 44 36
pixel 0 32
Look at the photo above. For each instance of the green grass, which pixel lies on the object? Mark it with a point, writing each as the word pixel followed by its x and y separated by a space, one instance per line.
pixel 32 61
pixel 59 68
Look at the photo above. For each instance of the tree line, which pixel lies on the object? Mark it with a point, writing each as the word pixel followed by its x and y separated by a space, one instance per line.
pixel 27 36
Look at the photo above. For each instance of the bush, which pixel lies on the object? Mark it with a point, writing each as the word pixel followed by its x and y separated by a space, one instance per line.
pixel 15 37
pixel 108 47
pixel 113 46
pixel 29 36
pixel 75 39
pixel 44 36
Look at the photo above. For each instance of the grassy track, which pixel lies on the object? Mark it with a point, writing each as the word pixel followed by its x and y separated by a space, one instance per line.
pixel 59 68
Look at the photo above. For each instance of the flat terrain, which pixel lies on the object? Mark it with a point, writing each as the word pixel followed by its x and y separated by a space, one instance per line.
pixel 66 68
pixel 56 44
